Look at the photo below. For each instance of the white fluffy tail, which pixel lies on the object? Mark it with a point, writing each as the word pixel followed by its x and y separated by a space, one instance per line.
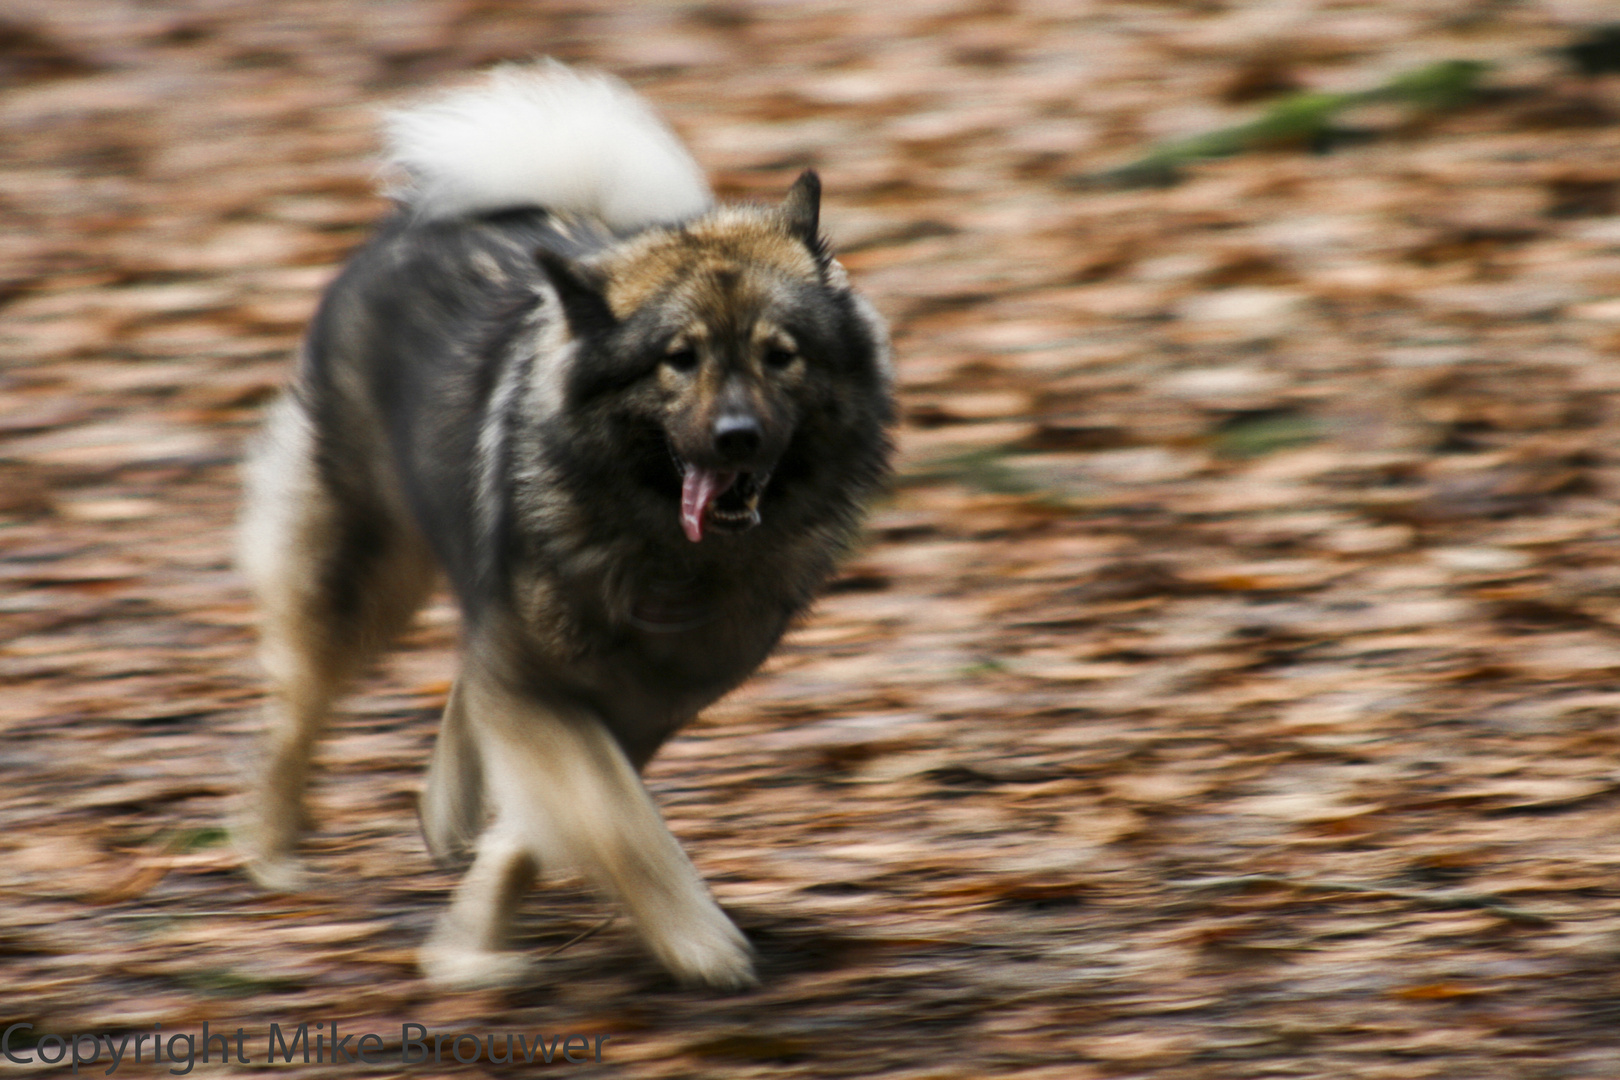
pixel 545 135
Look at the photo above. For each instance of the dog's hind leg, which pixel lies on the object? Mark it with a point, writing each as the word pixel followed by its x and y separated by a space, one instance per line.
pixel 335 578
pixel 563 791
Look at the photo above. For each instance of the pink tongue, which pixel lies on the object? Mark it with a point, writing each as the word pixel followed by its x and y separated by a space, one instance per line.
pixel 699 488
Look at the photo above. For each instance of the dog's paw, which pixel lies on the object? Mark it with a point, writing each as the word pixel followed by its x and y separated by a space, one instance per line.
pixel 266 836
pixel 450 966
pixel 272 866
pixel 716 956
pixel 277 873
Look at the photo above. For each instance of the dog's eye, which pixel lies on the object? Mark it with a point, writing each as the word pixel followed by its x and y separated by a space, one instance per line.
pixel 682 359
pixel 778 357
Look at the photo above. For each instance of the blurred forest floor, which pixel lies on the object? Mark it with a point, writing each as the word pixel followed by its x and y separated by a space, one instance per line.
pixel 1228 689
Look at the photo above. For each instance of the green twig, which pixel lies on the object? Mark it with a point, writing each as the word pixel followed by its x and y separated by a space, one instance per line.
pixel 1298 119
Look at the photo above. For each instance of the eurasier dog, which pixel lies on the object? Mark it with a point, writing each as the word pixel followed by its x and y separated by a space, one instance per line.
pixel 634 428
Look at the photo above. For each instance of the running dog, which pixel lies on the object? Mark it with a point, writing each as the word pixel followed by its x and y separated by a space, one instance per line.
pixel 635 430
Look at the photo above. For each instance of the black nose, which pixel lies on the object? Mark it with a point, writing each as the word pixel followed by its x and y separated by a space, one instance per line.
pixel 736 436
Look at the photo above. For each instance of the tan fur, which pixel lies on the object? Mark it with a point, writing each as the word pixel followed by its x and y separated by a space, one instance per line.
pixel 739 239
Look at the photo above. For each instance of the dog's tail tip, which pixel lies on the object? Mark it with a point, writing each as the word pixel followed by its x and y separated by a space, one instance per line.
pixel 544 134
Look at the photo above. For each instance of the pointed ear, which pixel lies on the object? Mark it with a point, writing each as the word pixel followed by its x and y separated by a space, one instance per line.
pixel 801 210
pixel 583 304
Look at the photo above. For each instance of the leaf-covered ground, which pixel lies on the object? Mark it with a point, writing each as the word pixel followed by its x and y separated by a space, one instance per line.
pixel 1228 689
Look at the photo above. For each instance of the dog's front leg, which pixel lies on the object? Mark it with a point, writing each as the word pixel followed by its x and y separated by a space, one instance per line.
pixel 564 791
pixel 452 804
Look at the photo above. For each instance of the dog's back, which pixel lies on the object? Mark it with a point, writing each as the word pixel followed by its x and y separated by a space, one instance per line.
pixel 636 431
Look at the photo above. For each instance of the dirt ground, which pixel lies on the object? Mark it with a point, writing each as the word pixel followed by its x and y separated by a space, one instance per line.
pixel 1228 688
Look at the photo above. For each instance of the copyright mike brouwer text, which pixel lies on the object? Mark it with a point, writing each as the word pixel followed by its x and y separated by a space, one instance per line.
pixel 184 1051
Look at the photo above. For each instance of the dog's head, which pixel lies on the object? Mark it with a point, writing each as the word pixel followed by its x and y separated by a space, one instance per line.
pixel 734 340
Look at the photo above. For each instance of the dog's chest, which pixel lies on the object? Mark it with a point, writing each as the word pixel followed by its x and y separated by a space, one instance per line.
pixel 662 606
pixel 710 635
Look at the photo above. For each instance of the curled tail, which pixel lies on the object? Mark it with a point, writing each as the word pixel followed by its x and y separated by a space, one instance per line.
pixel 545 135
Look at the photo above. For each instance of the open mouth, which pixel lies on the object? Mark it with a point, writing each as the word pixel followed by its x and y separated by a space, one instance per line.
pixel 719 500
